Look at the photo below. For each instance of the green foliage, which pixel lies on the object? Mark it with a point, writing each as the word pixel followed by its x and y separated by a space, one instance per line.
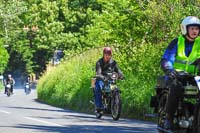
pixel 3 58
pixel 68 84
pixel 141 71
pixel 10 31
pixel 138 30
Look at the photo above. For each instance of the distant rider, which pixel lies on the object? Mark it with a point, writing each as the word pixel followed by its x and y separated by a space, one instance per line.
pixel 10 81
pixel 178 56
pixel 103 66
pixel 28 85
pixel 28 80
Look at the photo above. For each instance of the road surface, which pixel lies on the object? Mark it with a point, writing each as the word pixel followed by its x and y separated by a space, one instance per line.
pixel 22 113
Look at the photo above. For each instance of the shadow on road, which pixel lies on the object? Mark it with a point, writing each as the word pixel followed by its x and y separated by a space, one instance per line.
pixel 43 109
pixel 85 128
pixel 80 116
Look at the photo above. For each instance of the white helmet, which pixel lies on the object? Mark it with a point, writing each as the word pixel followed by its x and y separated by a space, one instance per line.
pixel 190 20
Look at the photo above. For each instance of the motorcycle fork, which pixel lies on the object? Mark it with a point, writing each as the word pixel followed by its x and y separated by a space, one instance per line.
pixel 105 100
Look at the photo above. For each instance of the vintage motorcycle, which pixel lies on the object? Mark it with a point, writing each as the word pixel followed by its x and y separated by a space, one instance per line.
pixel 8 89
pixel 27 88
pixel 187 116
pixel 110 98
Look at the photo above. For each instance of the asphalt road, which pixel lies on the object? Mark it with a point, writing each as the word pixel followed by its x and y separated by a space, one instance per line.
pixel 22 113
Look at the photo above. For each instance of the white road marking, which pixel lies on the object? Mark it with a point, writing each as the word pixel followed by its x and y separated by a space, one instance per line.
pixel 3 111
pixel 54 124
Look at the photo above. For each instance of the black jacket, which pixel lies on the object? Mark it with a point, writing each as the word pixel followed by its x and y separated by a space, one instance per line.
pixel 10 81
pixel 103 68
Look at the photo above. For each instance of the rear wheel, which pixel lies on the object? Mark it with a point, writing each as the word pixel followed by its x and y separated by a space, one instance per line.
pixel 116 105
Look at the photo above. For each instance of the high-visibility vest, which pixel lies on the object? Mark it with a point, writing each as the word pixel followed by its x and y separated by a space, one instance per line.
pixel 182 62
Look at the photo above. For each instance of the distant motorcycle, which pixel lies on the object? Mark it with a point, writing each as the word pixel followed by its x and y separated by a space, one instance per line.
pixel 27 88
pixel 8 89
pixel 111 98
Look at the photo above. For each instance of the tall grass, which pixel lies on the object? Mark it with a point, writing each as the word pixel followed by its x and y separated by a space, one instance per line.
pixel 1 85
pixel 68 84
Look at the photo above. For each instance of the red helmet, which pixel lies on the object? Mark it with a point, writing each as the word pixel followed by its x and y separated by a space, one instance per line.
pixel 107 50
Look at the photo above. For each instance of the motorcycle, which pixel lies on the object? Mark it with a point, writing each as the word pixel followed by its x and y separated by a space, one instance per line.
pixel 187 116
pixel 111 99
pixel 8 89
pixel 27 88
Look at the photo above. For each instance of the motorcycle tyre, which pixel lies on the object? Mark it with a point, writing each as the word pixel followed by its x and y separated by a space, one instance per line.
pixel 116 98
pixel 161 106
pixel 27 91
pixel 8 94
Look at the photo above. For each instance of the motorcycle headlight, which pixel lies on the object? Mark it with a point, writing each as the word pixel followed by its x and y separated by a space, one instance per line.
pixel 114 76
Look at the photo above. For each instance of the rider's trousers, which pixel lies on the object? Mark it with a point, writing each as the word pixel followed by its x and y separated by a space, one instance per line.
pixel 97 93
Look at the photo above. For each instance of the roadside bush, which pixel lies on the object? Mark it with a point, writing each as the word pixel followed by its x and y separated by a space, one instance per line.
pixel 68 85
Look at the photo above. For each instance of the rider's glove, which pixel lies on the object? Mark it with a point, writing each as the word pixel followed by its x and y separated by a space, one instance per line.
pixel 172 73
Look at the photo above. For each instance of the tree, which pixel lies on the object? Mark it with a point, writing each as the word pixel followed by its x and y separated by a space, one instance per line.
pixel 9 26
pixel 4 56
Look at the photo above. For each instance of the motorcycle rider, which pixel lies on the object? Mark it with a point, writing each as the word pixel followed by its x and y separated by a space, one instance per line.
pixel 28 82
pixel 103 66
pixel 10 81
pixel 178 57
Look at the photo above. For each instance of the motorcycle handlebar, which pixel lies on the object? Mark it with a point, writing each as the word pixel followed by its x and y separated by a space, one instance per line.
pixel 113 76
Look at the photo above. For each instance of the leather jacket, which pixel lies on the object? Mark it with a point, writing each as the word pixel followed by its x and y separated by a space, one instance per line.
pixel 102 68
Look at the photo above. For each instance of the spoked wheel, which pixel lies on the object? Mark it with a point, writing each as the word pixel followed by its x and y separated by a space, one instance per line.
pixel 161 110
pixel 116 105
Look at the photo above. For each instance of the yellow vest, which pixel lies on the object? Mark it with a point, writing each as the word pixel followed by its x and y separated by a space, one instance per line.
pixel 182 62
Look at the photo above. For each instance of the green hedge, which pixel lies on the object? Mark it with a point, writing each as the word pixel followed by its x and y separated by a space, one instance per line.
pixel 68 85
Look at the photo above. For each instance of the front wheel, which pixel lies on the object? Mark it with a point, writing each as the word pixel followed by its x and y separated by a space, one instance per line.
pixel 116 105
pixel 161 110
pixel 27 91
pixel 8 92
